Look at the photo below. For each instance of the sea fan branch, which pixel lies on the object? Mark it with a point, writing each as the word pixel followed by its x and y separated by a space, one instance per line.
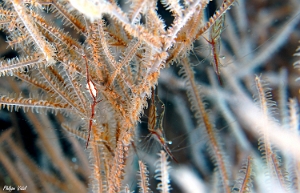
pixel 198 107
pixel 162 173
pixel 30 103
pixel 144 179
pixel 40 41
pixel 244 183
pixel 19 65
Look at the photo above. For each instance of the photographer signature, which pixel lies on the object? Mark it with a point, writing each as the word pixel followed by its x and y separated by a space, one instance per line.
pixel 12 188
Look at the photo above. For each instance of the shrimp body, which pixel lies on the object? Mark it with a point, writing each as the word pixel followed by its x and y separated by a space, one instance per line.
pixel 158 136
pixel 216 59
pixel 93 92
pixel 215 39
pixel 155 126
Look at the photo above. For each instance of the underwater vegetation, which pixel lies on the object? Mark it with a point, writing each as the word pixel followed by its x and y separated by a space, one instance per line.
pixel 149 96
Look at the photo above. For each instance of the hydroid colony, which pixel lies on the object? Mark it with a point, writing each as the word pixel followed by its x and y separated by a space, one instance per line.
pixel 91 68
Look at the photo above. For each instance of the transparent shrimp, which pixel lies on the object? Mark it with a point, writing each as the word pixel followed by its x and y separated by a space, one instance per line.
pixel 155 126
pixel 215 39
pixel 93 92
